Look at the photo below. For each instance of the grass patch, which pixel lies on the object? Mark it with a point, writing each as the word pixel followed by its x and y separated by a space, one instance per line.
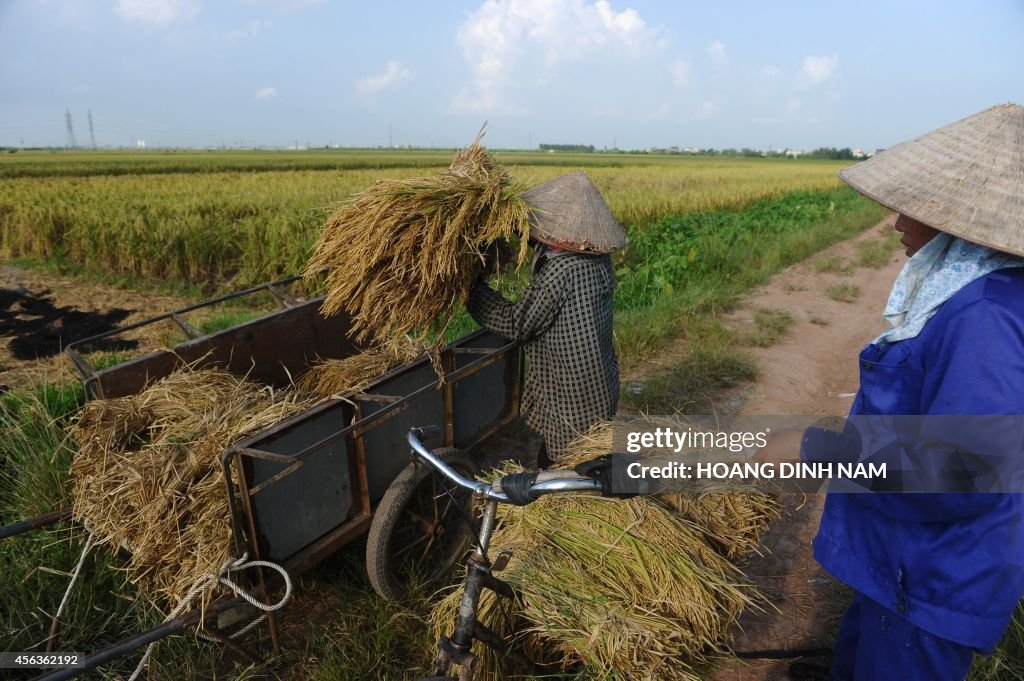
pixel 874 254
pixel 226 319
pixel 843 293
pixel 1007 662
pixel 363 635
pixel 693 384
pixel 832 264
pixel 820 321
pixel 771 325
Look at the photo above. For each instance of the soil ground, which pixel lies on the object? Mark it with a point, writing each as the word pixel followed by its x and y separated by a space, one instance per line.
pixel 812 371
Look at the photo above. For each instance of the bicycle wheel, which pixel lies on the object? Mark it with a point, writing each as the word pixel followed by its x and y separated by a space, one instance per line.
pixel 420 528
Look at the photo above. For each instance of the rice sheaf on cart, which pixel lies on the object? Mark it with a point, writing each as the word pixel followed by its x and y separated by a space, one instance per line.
pixel 147 475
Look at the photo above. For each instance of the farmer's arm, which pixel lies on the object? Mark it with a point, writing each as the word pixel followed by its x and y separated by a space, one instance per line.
pixel 523 320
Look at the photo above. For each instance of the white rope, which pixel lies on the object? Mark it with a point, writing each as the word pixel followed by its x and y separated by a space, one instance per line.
pixel 74 577
pixel 210 580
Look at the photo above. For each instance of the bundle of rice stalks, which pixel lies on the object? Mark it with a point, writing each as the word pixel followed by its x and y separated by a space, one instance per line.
pixel 147 475
pixel 337 376
pixel 405 253
pixel 645 587
pixel 731 521
pixel 504 617
pixel 617 585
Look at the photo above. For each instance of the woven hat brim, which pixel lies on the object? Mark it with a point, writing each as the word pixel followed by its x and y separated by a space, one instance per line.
pixel 569 212
pixel 965 179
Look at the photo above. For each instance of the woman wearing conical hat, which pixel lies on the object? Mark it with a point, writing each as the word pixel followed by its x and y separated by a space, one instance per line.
pixel 937 576
pixel 564 318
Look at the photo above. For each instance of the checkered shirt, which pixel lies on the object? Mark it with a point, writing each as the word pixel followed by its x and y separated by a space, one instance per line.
pixel 564 322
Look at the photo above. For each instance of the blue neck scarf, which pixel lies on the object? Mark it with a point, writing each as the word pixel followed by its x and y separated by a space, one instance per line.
pixel 932 275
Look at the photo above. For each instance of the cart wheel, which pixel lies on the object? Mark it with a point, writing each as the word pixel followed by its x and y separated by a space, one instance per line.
pixel 419 530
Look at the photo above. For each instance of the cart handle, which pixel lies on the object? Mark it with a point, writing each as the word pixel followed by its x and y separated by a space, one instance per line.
pixel 547 482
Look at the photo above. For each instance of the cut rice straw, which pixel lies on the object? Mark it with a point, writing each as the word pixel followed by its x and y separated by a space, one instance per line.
pixel 148 475
pixel 401 256
pixel 338 376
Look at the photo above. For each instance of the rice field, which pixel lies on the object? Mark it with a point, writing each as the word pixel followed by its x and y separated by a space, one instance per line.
pixel 223 221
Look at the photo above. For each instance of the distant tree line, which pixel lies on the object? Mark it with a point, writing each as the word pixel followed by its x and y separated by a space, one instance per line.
pixel 845 154
pixel 575 148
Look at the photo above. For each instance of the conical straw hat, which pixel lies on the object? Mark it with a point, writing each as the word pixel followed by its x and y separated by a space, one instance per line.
pixel 966 179
pixel 569 212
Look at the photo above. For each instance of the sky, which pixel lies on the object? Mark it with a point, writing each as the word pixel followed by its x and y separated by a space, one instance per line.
pixel 629 74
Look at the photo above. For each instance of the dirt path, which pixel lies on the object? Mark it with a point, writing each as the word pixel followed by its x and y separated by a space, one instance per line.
pixel 811 371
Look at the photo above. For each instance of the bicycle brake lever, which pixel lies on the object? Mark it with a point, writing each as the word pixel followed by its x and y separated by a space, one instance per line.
pixel 501 562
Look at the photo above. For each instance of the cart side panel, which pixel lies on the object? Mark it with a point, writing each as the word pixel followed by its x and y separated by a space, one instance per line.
pixel 483 398
pixel 274 349
pixel 387 451
pixel 299 508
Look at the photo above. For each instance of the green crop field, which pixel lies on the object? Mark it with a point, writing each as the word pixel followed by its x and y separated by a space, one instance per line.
pixel 223 220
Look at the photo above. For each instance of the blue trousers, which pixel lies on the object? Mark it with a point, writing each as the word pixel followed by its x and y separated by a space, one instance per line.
pixel 876 644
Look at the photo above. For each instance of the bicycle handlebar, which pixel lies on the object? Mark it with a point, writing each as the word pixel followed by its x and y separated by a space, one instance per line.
pixel 548 482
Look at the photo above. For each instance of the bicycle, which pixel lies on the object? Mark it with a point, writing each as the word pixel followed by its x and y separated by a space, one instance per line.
pixel 519 489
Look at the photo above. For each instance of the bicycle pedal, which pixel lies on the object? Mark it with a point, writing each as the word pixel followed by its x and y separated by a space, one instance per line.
pixel 501 562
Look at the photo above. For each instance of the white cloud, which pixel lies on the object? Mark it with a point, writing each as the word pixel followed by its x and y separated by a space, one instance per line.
pixel 819 69
pixel 717 52
pixel 682 72
pixel 394 74
pixel 266 94
pixel 794 105
pixel 283 5
pixel 497 37
pixel 707 109
pixel 770 71
pixel 253 29
pixel 158 12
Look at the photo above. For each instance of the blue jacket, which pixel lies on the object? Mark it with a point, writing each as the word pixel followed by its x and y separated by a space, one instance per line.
pixel 953 564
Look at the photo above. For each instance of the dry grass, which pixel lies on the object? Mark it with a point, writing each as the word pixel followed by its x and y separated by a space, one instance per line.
pixel 148 476
pixel 405 253
pixel 843 293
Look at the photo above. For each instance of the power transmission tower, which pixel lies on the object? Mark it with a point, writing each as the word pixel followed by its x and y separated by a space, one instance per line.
pixel 70 142
pixel 92 136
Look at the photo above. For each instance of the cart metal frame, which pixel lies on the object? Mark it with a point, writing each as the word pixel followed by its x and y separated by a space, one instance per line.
pixel 303 488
